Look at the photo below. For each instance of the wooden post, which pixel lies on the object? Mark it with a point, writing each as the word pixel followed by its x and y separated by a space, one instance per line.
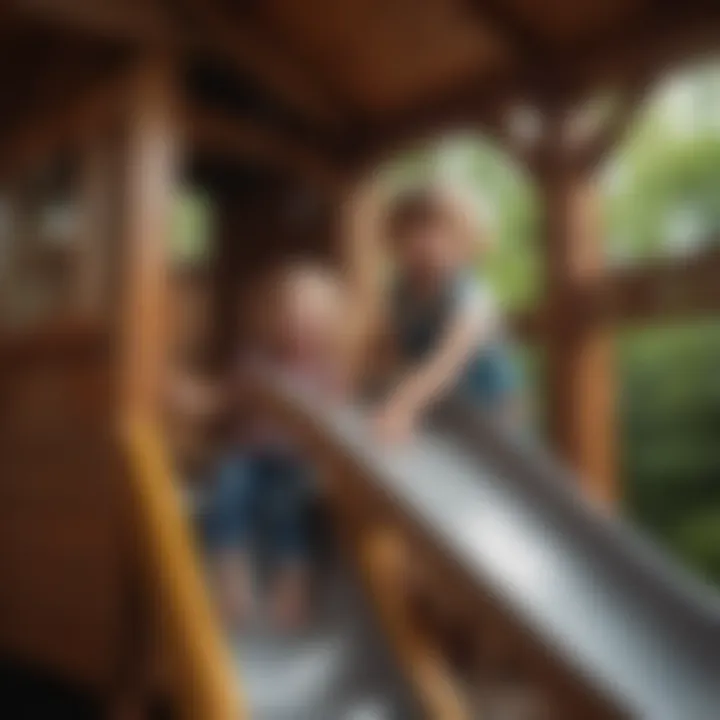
pixel 22 229
pixel 9 233
pixel 232 239
pixel 149 187
pixel 579 346
pixel 93 244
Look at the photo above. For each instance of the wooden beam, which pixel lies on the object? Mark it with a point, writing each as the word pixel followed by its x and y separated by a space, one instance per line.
pixel 504 21
pixel 19 229
pixel 214 34
pixel 203 683
pixel 246 140
pixel 131 21
pixel 297 53
pixel 468 106
pixel 384 558
pixel 248 52
pixel 639 54
pixel 674 34
pixel 525 152
pixel 154 130
pixel 78 119
pixel 93 243
pixel 578 348
pixel 661 291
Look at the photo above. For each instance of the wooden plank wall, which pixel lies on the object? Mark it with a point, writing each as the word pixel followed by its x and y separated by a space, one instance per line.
pixel 65 557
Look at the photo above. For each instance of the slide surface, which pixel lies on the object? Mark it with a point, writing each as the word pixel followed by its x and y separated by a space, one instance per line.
pixel 340 669
pixel 608 606
pixel 638 630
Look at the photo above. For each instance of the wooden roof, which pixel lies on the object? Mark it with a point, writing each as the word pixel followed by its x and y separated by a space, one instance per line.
pixel 355 76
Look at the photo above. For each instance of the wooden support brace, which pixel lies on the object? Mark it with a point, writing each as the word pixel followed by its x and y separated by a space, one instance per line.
pixel 579 348
pixel 149 192
pixel 92 256
pixel 246 140
pixel 85 117
pixel 249 54
pixel 609 134
pixel 385 565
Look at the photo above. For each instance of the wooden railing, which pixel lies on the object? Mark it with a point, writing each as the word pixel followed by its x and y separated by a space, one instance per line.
pixel 203 684
pixel 380 552
pixel 383 555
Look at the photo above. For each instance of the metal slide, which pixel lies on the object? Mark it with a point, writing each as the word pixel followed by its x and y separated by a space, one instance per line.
pixel 338 670
pixel 638 630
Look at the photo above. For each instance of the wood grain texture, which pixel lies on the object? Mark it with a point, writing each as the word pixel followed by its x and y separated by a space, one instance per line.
pixel 203 679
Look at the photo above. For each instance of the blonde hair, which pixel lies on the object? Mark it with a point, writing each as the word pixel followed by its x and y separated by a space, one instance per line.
pixel 465 214
pixel 270 295
pixel 309 274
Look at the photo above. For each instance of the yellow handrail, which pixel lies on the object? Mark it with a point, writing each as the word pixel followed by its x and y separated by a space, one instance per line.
pixel 202 663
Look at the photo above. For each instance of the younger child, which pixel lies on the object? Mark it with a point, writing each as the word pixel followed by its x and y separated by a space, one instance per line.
pixel 443 330
pixel 263 489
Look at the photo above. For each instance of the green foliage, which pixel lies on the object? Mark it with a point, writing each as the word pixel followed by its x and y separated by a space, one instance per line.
pixel 514 264
pixel 665 201
pixel 697 541
pixel 192 228
pixel 670 424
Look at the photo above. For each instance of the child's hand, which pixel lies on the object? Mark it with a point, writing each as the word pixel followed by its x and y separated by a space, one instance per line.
pixel 192 396
pixel 395 422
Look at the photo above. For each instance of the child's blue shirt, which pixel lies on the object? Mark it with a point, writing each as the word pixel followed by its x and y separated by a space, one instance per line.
pixel 489 375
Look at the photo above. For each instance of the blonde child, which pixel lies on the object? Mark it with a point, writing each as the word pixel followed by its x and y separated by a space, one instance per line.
pixel 262 491
pixel 442 332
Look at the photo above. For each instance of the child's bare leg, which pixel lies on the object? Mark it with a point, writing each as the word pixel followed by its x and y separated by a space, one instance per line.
pixel 229 527
pixel 232 586
pixel 512 414
pixel 291 596
pixel 289 513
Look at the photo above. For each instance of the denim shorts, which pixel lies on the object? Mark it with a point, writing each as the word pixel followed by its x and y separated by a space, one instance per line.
pixel 491 378
pixel 260 497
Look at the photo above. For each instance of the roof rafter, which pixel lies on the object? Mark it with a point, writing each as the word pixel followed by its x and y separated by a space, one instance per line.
pixel 277 35
pixel 240 138
pixel 125 22
pixel 646 48
pixel 634 57
pixel 244 48
pixel 93 109
pixel 507 24
pixel 213 34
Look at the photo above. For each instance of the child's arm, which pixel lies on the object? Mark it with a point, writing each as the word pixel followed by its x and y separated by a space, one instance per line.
pixel 195 397
pixel 381 360
pixel 472 325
